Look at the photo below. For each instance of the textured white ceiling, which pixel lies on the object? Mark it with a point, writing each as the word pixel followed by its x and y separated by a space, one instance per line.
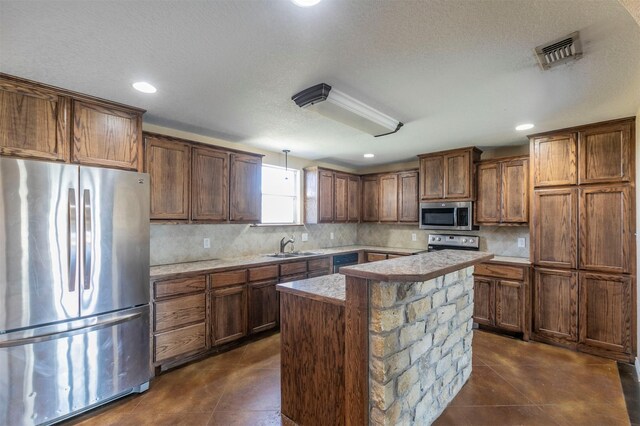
pixel 456 72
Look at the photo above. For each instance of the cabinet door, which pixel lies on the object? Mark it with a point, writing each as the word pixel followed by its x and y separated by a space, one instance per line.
pixel 605 228
pixel 555 227
pixel 341 197
pixel 245 184
pixel 370 198
pixel 457 175
pixel 353 199
pixel 488 202
pixel 605 154
pixel 210 185
pixel 555 160
pixel 483 301
pixel 555 305
pixel 34 122
pixel 229 306
pixel 106 136
pixel 389 198
pixel 606 311
pixel 168 163
pixel 432 178
pixel 509 313
pixel 515 191
pixel 263 306
pixel 408 197
pixel 325 196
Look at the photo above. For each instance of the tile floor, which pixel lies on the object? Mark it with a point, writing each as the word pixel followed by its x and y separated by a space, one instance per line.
pixel 513 383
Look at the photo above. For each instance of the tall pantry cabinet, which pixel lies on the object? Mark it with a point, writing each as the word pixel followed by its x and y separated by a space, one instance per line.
pixel 583 247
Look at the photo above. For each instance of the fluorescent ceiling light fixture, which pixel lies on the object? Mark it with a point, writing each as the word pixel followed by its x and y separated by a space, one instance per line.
pixel 341 107
pixel 526 126
pixel 305 3
pixel 368 156
pixel 144 87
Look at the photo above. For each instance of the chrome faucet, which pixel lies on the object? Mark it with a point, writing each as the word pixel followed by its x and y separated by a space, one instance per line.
pixel 284 243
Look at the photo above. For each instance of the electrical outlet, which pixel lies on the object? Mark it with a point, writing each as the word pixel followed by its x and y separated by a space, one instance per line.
pixel 206 243
pixel 414 237
pixel 522 243
pixel 304 237
pixel 331 235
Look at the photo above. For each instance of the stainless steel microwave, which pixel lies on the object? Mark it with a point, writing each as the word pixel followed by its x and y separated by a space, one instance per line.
pixel 455 216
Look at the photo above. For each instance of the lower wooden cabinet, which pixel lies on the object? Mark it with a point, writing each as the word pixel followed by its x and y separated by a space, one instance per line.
pixel 501 297
pixel 264 306
pixel 229 314
pixel 555 305
pixel 605 322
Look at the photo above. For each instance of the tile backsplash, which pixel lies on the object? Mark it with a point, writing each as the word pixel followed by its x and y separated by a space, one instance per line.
pixel 184 243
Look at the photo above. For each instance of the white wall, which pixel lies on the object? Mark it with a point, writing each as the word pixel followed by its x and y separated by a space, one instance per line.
pixel 637 236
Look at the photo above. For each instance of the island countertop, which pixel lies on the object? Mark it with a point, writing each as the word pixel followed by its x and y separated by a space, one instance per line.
pixel 327 288
pixel 420 267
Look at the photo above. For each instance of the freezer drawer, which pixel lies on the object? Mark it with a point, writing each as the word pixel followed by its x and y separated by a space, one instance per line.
pixel 50 372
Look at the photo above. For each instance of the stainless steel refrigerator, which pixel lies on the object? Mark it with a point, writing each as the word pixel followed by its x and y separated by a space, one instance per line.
pixel 74 288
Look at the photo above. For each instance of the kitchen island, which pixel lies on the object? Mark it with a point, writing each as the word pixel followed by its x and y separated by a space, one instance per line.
pixel 380 343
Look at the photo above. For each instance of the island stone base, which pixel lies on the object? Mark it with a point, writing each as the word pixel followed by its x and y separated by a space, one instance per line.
pixel 419 347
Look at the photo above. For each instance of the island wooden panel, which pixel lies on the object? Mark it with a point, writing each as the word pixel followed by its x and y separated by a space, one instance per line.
pixel 605 153
pixel 555 160
pixel 356 351
pixel 312 361
pixel 555 305
pixel 168 164
pixel 34 121
pixel 103 135
pixel 210 193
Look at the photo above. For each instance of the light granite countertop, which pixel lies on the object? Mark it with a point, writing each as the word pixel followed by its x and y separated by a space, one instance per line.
pixel 328 288
pixel 509 259
pixel 206 266
pixel 421 267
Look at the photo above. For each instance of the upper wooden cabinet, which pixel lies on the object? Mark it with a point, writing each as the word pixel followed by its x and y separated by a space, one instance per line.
pixel 408 204
pixel 503 192
pixel 448 175
pixel 388 198
pixel 210 187
pixel 34 121
pixel 605 153
pixel 245 182
pixel 168 164
pixel 555 160
pixel 555 227
pixel 606 236
pixel 45 122
pixel 107 136
pixel 370 198
pixel 330 196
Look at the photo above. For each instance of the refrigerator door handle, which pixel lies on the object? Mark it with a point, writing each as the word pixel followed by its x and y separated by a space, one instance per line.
pixel 67 333
pixel 87 238
pixel 73 240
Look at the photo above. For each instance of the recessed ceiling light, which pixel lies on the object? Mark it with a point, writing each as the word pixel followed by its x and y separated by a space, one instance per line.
pixel 305 3
pixel 526 126
pixel 144 87
pixel 368 156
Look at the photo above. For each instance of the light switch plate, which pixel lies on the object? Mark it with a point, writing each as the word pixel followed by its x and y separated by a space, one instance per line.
pixel 304 237
pixel 522 243
pixel 331 235
pixel 414 237
pixel 206 243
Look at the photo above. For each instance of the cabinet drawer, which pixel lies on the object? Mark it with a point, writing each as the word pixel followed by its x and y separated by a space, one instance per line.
pixel 177 312
pixel 178 342
pixel 500 271
pixel 222 279
pixel 317 274
pixel 263 273
pixel 395 256
pixel 374 257
pixel 293 268
pixel 289 278
pixel 179 286
pixel 319 264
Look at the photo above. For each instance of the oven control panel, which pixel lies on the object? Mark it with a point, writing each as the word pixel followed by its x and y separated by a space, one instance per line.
pixel 447 241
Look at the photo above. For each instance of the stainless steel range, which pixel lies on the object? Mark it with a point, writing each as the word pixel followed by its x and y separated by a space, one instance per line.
pixel 453 242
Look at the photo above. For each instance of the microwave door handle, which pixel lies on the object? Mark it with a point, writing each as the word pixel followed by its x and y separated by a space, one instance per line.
pixel 455 217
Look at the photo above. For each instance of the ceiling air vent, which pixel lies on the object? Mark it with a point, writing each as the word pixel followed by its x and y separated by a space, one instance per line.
pixel 559 51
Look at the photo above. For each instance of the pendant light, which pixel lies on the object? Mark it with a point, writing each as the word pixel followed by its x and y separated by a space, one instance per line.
pixel 286 162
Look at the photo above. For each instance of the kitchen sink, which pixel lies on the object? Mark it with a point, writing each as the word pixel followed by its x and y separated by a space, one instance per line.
pixel 293 254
